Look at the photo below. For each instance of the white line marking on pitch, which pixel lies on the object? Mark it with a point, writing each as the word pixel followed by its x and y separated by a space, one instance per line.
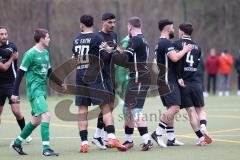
pixel 8 138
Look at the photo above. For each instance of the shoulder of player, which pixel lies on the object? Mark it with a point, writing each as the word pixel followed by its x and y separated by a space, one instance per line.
pixel 177 41
pixel 163 43
pixel 11 45
pixel 98 36
pixel 103 35
pixel 76 38
pixel 46 51
pixel 29 52
pixel 33 51
pixel 195 45
pixel 136 39
pixel 178 44
pixel 114 34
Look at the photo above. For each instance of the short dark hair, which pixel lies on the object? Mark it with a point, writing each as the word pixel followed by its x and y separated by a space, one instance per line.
pixel 135 22
pixel 3 27
pixel 87 20
pixel 40 33
pixel 186 28
pixel 163 23
pixel 107 16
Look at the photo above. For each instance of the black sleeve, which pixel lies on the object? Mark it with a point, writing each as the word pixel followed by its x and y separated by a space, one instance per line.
pixel 17 82
pixel 123 58
pixel 5 52
pixel 129 52
pixel 52 76
pixel 73 47
pixel 13 46
pixel 104 55
pixel 133 44
pixel 120 59
pixel 75 54
pixel 168 47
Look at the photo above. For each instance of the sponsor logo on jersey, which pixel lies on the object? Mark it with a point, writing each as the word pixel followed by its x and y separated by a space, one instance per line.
pixel 170 48
pixel 190 69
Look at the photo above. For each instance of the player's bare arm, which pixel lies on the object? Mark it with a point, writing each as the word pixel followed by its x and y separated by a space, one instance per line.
pixel 5 66
pixel 175 56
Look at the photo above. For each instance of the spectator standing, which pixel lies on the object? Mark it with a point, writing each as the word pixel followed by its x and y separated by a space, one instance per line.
pixel 225 69
pixel 212 66
pixel 237 67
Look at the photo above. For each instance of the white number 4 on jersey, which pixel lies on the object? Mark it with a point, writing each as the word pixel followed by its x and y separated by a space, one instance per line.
pixel 189 59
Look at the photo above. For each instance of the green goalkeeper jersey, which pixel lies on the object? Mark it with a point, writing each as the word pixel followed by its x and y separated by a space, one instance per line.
pixel 122 74
pixel 36 64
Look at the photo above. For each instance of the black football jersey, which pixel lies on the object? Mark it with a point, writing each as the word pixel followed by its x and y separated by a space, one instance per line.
pixel 108 69
pixel 138 52
pixel 6 50
pixel 86 44
pixel 87 48
pixel 187 66
pixel 163 48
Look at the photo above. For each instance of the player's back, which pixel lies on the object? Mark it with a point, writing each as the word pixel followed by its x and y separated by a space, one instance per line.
pixel 188 65
pixel 140 56
pixel 86 48
pixel 162 49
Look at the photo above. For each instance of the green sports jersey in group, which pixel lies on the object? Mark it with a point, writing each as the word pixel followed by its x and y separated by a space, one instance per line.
pixel 122 74
pixel 36 65
pixel 122 77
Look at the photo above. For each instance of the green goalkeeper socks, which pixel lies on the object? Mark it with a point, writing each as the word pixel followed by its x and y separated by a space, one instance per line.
pixel 27 130
pixel 45 135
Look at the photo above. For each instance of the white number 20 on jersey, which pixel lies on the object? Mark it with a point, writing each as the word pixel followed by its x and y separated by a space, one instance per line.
pixel 83 53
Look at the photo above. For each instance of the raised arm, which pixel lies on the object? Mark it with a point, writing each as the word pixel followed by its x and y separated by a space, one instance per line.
pixel 6 65
pixel 175 56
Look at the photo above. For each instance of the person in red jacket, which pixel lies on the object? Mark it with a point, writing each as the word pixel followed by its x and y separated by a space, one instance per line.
pixel 212 66
pixel 225 69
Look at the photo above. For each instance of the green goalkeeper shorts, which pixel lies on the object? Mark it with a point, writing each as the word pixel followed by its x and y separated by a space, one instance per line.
pixel 39 105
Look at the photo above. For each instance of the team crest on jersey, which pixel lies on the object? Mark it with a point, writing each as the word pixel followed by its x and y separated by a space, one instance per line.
pixel 76 41
pixel 44 68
